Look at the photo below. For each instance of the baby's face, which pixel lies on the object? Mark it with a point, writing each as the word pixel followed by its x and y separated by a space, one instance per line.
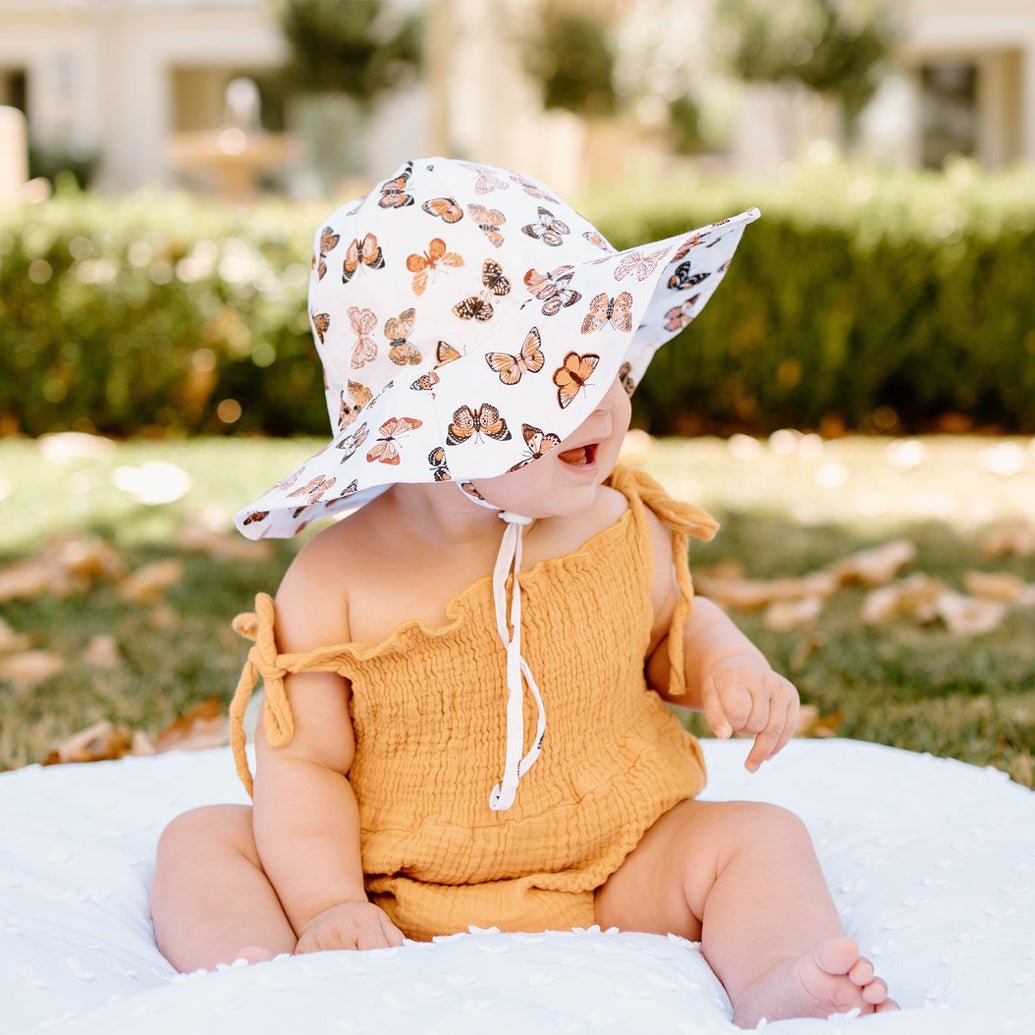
pixel 565 479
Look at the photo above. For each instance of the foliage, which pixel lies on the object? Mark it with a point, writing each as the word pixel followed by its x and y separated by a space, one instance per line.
pixel 858 291
pixel 349 48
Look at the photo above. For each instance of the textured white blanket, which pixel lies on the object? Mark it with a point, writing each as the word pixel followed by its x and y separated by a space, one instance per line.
pixel 932 864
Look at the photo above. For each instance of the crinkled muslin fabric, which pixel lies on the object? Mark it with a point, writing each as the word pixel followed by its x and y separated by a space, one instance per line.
pixel 931 863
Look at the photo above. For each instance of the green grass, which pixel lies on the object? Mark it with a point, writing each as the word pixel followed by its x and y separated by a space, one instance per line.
pixel 785 511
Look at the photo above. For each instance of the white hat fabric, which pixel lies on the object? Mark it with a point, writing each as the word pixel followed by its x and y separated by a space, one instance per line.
pixel 468 320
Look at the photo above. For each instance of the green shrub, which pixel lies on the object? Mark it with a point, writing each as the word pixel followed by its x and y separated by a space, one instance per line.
pixel 857 290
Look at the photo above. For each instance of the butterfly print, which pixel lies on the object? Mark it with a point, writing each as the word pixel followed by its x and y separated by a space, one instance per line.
pixel 641 267
pixel 362 253
pixel 437 460
pixel 363 322
pixel 445 353
pixel 398 329
pixel 426 382
pixel 603 310
pixel 328 242
pixel 487 180
pixel 530 358
pixel 597 239
pixel 444 208
pixel 628 383
pixel 552 288
pixel 478 307
pixel 489 221
pixel 321 323
pixel 537 443
pixel 256 515
pixel 350 443
pixel 385 450
pixel 548 229
pixel 314 489
pixel 684 249
pixel 683 278
pixel 289 479
pixel 354 399
pixel 681 316
pixel 573 375
pixel 350 490
pixel 394 192
pixel 534 189
pixel 421 265
pixel 468 423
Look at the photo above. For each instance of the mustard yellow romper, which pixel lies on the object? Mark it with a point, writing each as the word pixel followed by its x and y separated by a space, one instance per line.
pixel 429 711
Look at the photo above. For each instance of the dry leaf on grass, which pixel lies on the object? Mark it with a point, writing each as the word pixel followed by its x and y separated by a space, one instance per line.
pixel 32 579
pixel 751 594
pixel 876 566
pixel 12 641
pixel 27 668
pixel 995 585
pixel 913 597
pixel 967 616
pixel 203 726
pixel 1014 538
pixel 224 547
pixel 90 559
pixel 102 651
pixel 785 615
pixel 100 742
pixel 812 724
pixel 148 584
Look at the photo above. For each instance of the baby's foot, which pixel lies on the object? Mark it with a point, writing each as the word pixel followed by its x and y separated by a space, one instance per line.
pixel 254 954
pixel 832 978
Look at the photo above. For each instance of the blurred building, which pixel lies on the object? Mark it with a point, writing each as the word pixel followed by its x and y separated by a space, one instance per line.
pixel 139 88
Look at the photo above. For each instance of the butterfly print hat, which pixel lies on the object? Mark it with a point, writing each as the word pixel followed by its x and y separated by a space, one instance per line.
pixel 465 316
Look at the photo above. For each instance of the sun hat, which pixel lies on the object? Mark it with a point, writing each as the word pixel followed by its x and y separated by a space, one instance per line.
pixel 468 320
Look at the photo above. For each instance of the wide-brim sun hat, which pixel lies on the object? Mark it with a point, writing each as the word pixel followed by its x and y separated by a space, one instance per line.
pixel 468 320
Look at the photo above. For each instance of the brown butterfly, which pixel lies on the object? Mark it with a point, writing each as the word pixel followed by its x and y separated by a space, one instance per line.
pixel 478 307
pixel 444 208
pixel 321 323
pixel 487 180
pixel 573 375
pixel 363 322
pixel 350 443
pixel 489 221
pixel 421 265
pixel 314 489
pixel 603 310
pixel 398 330
pixel 548 230
pixel 552 288
pixel 597 239
pixel 356 398
pixel 328 242
pixel 362 253
pixel 627 382
pixel 534 189
pixel 537 443
pixel 445 353
pixel 530 358
pixel 680 316
pixel 437 460
pixel 486 420
pixel 349 490
pixel 684 249
pixel 394 192
pixel 426 382
pixel 640 266
pixel 256 515
pixel 684 278
pixel 385 450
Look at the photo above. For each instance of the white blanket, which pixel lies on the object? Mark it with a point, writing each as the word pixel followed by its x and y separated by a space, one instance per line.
pixel 932 865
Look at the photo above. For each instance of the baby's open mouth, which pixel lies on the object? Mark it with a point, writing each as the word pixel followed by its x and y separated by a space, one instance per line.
pixel 580 456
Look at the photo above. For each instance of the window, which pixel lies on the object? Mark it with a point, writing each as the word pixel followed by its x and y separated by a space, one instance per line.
pixel 948 111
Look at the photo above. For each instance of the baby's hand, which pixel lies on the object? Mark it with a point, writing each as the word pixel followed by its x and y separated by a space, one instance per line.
pixel 349 925
pixel 742 694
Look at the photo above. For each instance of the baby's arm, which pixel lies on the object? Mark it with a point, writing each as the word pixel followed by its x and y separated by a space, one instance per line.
pixel 306 820
pixel 726 675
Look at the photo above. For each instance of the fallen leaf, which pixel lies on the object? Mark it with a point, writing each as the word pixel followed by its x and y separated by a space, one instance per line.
pixel 785 615
pixel 33 579
pixel 995 585
pixel 225 547
pixel 968 616
pixel 812 724
pixel 97 743
pixel 12 641
pixel 751 594
pixel 1014 538
pixel 876 566
pixel 102 651
pixel 147 584
pixel 91 559
pixel 27 668
pixel 914 597
pixel 206 725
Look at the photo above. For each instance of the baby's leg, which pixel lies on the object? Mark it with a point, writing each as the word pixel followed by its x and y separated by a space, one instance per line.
pixel 211 902
pixel 743 879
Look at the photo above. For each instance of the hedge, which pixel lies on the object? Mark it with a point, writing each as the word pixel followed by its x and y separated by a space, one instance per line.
pixel 903 294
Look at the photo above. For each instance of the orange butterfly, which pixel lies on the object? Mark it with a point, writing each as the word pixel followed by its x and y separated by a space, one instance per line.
pixel 597 239
pixel 421 265
pixel 444 208
pixel 538 444
pixel 684 249
pixel 385 450
pixel 314 489
pixel 552 288
pixel 510 368
pixel 328 242
pixel 627 382
pixel 353 400
pixel 485 420
pixel 603 310
pixel 478 307
pixel 641 267
pixel 548 230
pixel 534 189
pixel 437 460
pixel 393 192
pixel 445 353
pixel 489 221
pixel 573 376
pixel 397 330
pixel 680 316
pixel 362 253
pixel 363 322
pixel 350 443
pixel 321 322
pixel 426 382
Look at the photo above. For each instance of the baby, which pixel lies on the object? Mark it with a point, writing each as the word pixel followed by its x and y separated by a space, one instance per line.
pixel 443 747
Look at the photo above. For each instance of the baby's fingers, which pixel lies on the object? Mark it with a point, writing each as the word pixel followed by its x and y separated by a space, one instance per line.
pixel 393 936
pixel 726 705
pixel 768 742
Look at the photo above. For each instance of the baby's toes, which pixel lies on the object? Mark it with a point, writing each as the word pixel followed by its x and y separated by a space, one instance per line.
pixel 862 973
pixel 875 992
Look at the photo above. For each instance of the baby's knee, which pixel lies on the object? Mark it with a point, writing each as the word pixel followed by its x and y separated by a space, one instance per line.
pixel 757 822
pixel 201 829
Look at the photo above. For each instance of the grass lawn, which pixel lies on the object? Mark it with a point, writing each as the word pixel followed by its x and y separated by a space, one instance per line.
pixel 789 505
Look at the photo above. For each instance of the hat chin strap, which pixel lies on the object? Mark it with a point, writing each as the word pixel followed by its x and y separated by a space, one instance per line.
pixel 508 563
